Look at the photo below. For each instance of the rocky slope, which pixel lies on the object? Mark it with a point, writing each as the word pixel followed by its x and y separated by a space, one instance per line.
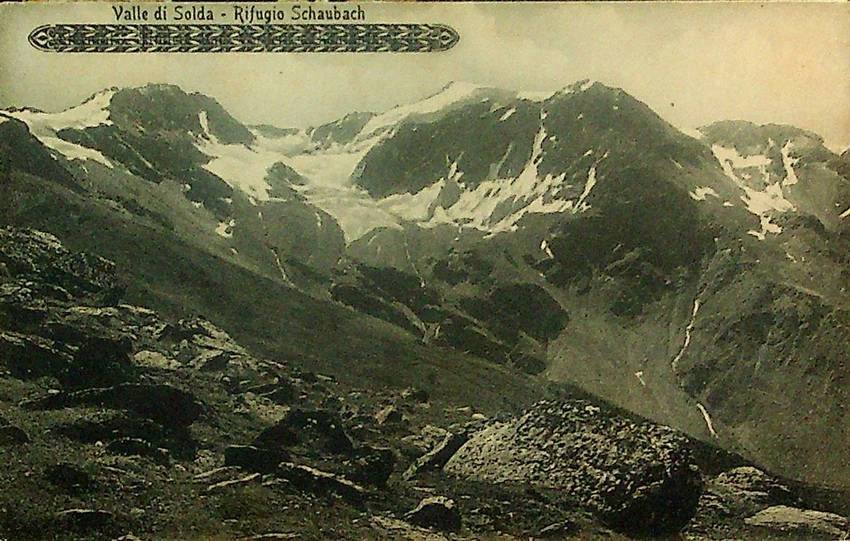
pixel 118 422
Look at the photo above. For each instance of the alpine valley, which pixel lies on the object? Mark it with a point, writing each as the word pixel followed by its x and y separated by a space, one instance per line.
pixel 487 314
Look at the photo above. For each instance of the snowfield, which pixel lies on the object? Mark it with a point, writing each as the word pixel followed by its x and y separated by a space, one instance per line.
pixel 92 113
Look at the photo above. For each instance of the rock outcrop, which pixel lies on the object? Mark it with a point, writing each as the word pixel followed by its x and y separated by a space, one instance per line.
pixel 436 512
pixel 637 476
pixel 803 523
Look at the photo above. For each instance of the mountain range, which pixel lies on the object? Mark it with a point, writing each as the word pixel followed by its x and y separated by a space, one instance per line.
pixel 486 244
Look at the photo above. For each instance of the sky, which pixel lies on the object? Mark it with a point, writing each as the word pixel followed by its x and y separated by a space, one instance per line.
pixel 693 63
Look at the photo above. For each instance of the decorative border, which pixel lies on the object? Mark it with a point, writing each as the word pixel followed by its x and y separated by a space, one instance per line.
pixel 226 38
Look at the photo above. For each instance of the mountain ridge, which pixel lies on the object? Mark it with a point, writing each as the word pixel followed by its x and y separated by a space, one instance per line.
pixel 447 215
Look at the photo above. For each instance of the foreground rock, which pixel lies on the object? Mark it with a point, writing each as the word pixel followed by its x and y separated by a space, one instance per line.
pixel 254 459
pixel 317 429
pixel 437 457
pixel 436 512
pixel 801 522
pixel 12 435
pixel 746 490
pixel 636 476
pixel 321 483
pixel 85 521
pixel 162 403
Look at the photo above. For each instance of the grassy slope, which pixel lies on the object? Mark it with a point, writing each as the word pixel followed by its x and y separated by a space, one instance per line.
pixel 175 278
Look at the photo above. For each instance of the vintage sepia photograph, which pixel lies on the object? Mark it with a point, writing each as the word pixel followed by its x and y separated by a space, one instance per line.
pixel 424 271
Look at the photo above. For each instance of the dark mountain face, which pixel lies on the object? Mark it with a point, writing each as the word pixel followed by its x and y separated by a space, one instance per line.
pixel 21 151
pixel 473 137
pixel 152 131
pixel 701 283
pixel 340 132
pixel 166 108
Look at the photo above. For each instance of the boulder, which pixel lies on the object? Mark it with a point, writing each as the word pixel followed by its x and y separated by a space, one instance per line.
pixel 559 530
pixel 106 426
pixel 162 403
pixel 12 435
pixel 636 476
pixel 800 522
pixel 437 457
pixel 199 336
pixel 254 459
pixel 393 528
pixel 100 360
pixel 223 485
pixel 426 439
pixel 743 491
pixel 281 392
pixel 22 304
pixel 155 360
pixel 138 447
pixel 416 395
pixel 316 430
pixel 85 521
pixel 318 482
pixel 70 478
pixel 369 465
pixel 389 415
pixel 31 357
pixel 436 512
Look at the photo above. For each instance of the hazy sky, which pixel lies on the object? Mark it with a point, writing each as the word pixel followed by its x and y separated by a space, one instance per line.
pixel 692 63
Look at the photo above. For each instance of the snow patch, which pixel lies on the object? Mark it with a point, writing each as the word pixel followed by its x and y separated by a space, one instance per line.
pixel 762 203
pixel 707 418
pixel 845 214
pixel 581 206
pixel 730 159
pixel 545 247
pixel 767 226
pixel 90 114
pixel 702 192
pixel 225 229
pixel 205 125
pixel 452 94
pixel 688 330
pixel 535 96
pixel 243 167
pixel 692 132
pixel 788 163
pixel 413 207
pixel 508 114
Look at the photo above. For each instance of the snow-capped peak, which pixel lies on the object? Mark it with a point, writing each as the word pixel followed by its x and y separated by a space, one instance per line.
pixel 579 86
pixel 91 113
pixel 451 94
